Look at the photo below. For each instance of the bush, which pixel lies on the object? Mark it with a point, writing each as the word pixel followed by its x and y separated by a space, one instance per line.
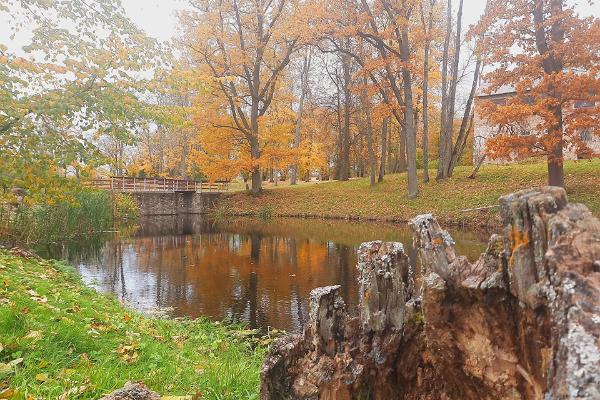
pixel 125 207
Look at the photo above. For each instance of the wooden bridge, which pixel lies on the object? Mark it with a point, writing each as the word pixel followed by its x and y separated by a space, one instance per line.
pixel 160 185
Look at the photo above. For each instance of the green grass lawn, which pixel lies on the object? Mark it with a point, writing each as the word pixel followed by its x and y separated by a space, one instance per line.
pixel 445 199
pixel 60 338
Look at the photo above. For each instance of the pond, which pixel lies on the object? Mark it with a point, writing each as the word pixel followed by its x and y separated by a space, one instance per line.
pixel 243 270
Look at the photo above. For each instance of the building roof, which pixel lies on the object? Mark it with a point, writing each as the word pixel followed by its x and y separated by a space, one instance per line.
pixel 484 90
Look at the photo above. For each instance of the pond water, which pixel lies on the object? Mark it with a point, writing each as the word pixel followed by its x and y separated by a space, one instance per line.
pixel 244 270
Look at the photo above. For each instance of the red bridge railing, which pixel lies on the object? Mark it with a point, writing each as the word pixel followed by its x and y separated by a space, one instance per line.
pixel 128 184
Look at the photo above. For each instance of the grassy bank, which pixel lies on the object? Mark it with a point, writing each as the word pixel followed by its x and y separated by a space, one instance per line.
pixel 60 338
pixel 446 199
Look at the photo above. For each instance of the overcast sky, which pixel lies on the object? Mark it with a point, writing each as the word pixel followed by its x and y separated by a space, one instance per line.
pixel 159 17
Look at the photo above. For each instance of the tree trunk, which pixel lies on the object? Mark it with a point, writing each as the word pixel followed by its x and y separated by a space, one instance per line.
pixel 444 142
pixel 409 118
pixel 466 123
pixel 426 90
pixel 426 115
pixel 368 134
pixel 345 142
pixel 298 127
pixel 384 135
pixel 552 64
pixel 402 149
pixel 469 331
pixel 556 175
pixel 256 172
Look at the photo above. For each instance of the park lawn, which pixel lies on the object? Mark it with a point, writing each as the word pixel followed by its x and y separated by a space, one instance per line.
pixel 61 338
pixel 446 199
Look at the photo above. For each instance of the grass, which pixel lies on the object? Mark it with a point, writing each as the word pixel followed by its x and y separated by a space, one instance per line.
pixel 445 199
pixel 83 213
pixel 60 338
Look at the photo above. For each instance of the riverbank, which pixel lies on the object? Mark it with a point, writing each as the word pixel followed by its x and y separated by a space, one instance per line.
pixel 455 201
pixel 61 338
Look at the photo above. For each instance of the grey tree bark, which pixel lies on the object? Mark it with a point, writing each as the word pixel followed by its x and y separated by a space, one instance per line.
pixel 444 141
pixel 384 136
pixel 298 127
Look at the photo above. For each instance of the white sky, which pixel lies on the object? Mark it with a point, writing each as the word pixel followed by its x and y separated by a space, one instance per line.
pixel 159 17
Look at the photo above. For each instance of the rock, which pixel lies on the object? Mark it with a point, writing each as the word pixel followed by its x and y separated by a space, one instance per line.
pixel 522 322
pixel 132 391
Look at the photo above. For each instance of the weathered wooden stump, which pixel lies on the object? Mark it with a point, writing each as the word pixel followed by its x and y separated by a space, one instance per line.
pixel 385 285
pixel 522 322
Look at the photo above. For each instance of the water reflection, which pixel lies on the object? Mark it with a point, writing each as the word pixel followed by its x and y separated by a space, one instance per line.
pixel 244 270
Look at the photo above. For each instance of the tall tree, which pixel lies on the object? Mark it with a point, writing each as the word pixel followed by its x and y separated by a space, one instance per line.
pixel 245 46
pixel 427 21
pixel 551 57
pixel 304 85
pixel 445 131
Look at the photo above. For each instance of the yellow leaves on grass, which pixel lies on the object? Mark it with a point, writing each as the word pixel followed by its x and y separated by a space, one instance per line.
pixel 34 335
pixel 7 369
pixel 36 297
pixel 73 392
pixel 7 393
pixel 41 377
pixel 128 352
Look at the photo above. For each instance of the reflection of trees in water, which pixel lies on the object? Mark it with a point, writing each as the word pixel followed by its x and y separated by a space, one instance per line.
pixel 255 276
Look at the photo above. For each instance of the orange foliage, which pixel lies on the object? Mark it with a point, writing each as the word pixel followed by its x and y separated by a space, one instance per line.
pixel 551 57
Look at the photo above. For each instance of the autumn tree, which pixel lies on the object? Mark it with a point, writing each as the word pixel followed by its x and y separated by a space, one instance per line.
pixel 387 30
pixel 244 46
pixel 451 144
pixel 551 57
pixel 76 75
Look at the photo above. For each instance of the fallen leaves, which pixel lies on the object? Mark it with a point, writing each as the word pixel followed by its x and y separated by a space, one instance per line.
pixel 73 392
pixel 7 369
pixel 35 335
pixel 128 353
pixel 7 393
pixel 41 377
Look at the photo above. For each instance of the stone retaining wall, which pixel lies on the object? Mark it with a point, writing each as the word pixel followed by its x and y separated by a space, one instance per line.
pixel 153 203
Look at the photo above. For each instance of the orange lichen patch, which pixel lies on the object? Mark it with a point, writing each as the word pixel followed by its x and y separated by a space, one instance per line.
pixel 519 240
pixel 438 241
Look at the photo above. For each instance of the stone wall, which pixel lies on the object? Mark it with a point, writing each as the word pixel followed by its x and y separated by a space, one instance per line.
pixel 153 203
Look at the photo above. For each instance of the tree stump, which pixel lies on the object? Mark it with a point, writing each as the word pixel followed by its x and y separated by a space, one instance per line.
pixel 521 322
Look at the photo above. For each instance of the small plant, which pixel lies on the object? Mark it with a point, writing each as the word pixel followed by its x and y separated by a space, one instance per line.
pixel 265 213
pixel 126 207
pixel 221 212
